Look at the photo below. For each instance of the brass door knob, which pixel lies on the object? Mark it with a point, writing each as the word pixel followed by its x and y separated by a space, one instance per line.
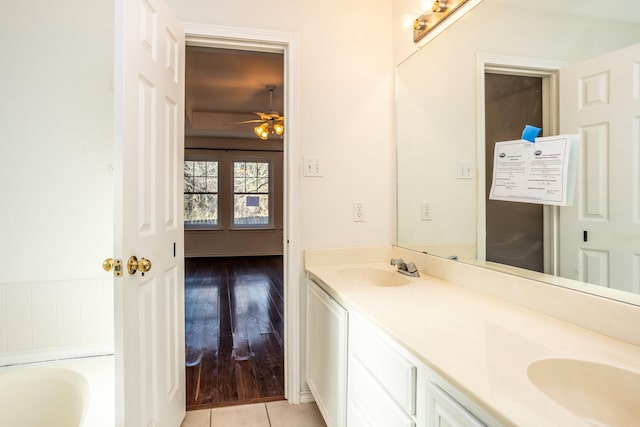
pixel 114 265
pixel 107 265
pixel 134 265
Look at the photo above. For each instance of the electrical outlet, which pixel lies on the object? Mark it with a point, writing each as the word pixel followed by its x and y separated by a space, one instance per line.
pixel 425 211
pixel 358 212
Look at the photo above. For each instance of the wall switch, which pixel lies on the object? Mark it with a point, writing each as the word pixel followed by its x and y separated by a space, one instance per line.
pixel 358 212
pixel 425 211
pixel 312 166
pixel 464 170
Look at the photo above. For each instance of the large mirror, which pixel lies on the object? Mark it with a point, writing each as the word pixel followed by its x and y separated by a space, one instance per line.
pixel 503 65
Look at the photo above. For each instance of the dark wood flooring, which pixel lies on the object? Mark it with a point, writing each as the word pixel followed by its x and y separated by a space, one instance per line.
pixel 234 326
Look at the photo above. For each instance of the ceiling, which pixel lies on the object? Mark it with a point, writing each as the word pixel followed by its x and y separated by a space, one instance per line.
pixel 224 86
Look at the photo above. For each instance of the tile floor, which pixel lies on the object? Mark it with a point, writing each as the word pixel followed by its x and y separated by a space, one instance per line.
pixel 271 414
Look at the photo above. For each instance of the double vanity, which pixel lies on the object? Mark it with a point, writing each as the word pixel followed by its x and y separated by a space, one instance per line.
pixel 462 346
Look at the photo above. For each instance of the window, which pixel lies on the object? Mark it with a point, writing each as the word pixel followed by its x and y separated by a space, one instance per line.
pixel 200 193
pixel 250 193
pixel 230 189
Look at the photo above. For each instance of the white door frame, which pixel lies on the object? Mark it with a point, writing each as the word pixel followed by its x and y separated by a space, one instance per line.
pixel 515 65
pixel 216 36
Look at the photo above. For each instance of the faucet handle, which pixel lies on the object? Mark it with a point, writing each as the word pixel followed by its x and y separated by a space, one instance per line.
pixel 411 267
pixel 396 261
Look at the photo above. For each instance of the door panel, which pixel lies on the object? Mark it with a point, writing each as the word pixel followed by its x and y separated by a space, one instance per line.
pixel 149 151
pixel 600 233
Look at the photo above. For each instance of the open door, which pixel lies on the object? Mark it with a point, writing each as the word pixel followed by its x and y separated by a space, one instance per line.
pixel 148 164
pixel 600 233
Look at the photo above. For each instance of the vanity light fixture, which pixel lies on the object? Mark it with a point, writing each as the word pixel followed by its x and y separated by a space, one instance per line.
pixel 419 25
pixel 439 6
pixel 426 22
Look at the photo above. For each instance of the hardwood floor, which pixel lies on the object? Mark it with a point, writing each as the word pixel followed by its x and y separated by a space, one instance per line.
pixel 234 330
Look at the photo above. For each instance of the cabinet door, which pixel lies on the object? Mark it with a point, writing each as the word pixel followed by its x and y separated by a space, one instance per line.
pixel 444 411
pixel 327 354
pixel 395 373
pixel 369 402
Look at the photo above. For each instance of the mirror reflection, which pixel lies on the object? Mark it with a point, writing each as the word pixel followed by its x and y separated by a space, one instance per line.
pixel 568 67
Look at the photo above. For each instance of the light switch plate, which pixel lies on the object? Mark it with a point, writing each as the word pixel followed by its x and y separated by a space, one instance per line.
pixel 358 212
pixel 464 170
pixel 312 166
pixel 425 211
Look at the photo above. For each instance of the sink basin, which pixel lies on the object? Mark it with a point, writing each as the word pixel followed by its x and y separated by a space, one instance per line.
pixel 602 395
pixel 375 276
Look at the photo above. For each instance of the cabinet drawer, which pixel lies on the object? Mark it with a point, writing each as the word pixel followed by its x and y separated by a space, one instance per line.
pixel 369 404
pixel 444 411
pixel 393 371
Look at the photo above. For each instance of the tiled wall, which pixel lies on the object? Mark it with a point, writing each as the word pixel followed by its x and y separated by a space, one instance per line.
pixel 44 320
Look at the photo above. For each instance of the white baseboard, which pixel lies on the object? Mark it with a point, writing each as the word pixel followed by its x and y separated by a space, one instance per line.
pixel 306 397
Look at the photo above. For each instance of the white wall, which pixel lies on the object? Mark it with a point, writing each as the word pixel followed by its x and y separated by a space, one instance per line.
pixel 56 188
pixel 346 104
pixel 437 106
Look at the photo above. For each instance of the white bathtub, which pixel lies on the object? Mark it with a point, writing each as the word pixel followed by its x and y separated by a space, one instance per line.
pixel 68 393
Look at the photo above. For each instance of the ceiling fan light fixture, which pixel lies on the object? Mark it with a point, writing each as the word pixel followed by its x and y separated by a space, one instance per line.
pixel 262 131
pixel 278 128
pixel 271 122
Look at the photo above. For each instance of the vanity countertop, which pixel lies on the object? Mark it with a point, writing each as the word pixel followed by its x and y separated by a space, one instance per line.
pixel 480 344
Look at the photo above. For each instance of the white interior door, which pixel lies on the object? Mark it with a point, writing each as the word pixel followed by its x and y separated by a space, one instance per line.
pixel 149 152
pixel 600 233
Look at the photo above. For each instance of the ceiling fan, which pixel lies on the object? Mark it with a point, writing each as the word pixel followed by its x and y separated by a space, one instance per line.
pixel 271 122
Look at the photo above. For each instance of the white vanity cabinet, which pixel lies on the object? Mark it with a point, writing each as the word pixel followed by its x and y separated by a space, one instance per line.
pixel 382 381
pixel 361 377
pixel 327 324
pixel 388 386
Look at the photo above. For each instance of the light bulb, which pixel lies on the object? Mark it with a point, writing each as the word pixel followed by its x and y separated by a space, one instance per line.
pixel 278 128
pixel 262 131
pixel 407 21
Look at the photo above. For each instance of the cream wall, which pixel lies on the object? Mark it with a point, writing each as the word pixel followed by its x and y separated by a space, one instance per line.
pixel 55 182
pixel 346 104
pixel 56 112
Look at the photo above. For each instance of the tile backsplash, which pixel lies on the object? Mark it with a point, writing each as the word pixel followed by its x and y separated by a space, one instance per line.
pixel 54 319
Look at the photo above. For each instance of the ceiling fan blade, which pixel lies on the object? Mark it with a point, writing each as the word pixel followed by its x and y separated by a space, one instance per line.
pixel 244 121
pixel 263 116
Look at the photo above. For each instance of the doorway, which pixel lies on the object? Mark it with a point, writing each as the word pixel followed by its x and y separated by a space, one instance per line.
pixel 514 231
pixel 234 227
pixel 518 72
pixel 147 349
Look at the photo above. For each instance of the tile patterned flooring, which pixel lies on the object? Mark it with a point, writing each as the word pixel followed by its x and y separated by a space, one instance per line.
pixel 271 414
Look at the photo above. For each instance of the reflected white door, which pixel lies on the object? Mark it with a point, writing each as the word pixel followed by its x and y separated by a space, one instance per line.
pixel 149 152
pixel 600 233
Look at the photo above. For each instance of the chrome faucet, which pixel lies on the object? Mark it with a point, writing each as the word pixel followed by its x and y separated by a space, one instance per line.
pixel 407 268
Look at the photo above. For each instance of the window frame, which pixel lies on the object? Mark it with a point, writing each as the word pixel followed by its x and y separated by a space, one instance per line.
pixel 270 193
pixel 200 156
pixel 226 159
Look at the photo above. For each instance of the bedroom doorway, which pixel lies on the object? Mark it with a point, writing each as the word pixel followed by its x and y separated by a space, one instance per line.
pixel 234 239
